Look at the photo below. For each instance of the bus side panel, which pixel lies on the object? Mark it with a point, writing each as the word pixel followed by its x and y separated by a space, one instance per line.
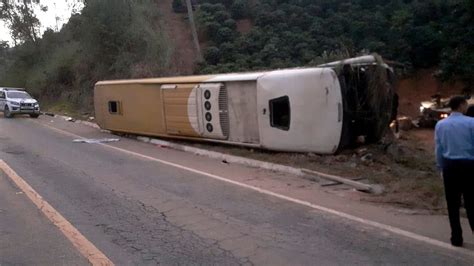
pixel 140 108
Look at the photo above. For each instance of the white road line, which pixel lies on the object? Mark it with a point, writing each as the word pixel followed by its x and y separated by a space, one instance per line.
pixel 389 228
pixel 84 246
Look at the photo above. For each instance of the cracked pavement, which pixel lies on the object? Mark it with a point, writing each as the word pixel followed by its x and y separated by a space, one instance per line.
pixel 140 212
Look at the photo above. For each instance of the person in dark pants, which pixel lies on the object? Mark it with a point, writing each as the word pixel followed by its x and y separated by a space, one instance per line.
pixel 454 137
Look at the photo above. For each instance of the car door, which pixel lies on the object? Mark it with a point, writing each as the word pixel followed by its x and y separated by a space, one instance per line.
pixel 2 100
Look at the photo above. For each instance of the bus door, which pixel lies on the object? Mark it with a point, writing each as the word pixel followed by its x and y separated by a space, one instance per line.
pixel 196 110
pixel 181 110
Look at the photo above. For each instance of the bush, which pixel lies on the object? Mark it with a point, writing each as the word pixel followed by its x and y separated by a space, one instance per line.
pixel 227 51
pixel 212 8
pixel 231 24
pixel 239 9
pixel 109 39
pixel 224 35
pixel 212 55
pixel 211 29
pixel 221 16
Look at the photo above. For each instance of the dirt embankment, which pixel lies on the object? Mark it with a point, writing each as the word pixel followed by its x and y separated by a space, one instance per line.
pixel 177 29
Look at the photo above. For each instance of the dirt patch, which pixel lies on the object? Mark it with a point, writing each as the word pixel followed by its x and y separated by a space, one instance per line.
pixel 244 25
pixel 177 29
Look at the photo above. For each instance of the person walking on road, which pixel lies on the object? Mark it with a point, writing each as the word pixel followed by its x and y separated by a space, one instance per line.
pixel 454 137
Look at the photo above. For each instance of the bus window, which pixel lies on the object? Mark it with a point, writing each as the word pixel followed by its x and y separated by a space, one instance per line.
pixel 114 107
pixel 280 113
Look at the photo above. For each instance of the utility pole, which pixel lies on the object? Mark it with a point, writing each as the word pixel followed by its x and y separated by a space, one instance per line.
pixel 193 29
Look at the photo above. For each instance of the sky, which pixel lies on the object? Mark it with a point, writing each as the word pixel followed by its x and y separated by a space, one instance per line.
pixel 60 9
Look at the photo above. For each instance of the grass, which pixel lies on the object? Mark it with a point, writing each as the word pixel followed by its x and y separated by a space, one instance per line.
pixel 62 108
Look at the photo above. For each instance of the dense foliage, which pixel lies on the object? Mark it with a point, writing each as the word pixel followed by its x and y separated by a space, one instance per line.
pixel 287 33
pixel 109 39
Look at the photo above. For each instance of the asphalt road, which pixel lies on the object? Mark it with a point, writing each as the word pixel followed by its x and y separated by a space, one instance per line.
pixel 27 236
pixel 142 212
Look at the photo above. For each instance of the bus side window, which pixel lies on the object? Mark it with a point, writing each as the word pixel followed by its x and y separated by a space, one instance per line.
pixel 280 114
pixel 2 95
pixel 114 107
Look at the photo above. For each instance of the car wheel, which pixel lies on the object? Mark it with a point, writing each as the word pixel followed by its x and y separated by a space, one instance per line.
pixel 34 115
pixel 7 113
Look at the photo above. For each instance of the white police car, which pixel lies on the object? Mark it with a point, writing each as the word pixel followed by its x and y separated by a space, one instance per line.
pixel 17 101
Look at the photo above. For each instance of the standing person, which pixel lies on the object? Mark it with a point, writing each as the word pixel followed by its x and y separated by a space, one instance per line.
pixel 454 137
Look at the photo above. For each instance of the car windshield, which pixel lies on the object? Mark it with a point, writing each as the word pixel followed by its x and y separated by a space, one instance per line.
pixel 18 95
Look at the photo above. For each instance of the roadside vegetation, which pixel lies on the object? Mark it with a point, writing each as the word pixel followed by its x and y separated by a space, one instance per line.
pixel 109 39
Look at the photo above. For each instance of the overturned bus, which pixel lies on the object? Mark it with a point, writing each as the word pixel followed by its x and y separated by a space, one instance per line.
pixel 321 109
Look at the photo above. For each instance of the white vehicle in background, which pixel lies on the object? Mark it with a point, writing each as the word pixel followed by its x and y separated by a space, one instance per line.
pixel 15 101
pixel 437 109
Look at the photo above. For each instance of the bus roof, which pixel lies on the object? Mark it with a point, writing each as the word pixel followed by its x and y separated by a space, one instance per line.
pixel 188 79
pixel 362 60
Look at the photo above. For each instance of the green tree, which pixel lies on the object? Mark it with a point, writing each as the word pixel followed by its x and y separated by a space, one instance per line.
pixel 20 18
pixel 108 39
pixel 212 55
pixel 239 9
